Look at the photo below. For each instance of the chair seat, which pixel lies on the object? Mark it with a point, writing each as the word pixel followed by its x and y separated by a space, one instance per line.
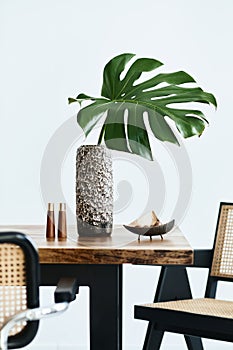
pixel 204 306
pixel 208 318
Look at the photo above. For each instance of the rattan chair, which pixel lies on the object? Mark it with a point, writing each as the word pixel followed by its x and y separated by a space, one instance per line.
pixel 19 291
pixel 207 317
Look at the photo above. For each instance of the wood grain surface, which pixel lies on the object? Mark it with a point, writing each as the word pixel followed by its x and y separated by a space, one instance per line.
pixel 120 248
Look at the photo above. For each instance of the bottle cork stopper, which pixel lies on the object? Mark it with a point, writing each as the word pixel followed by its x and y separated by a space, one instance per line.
pixel 50 206
pixel 62 206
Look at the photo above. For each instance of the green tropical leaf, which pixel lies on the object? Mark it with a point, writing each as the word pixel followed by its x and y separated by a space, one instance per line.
pixel 160 127
pixel 135 71
pixel 89 116
pixel 126 103
pixel 83 97
pixel 137 133
pixel 114 129
pixel 112 72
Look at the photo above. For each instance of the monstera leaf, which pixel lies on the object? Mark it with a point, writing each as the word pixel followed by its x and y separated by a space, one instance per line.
pixel 130 109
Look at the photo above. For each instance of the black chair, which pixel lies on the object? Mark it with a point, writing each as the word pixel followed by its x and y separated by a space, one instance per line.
pixel 19 291
pixel 206 317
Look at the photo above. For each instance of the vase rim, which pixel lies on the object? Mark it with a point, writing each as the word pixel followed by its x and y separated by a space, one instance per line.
pixel 92 146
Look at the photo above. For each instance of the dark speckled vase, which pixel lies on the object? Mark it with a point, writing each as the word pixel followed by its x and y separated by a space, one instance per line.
pixel 94 191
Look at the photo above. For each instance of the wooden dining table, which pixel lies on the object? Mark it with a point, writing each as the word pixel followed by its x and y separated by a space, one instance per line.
pixel 97 263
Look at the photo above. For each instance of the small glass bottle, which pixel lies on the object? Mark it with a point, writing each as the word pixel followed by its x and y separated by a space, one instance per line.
pixel 62 229
pixel 50 227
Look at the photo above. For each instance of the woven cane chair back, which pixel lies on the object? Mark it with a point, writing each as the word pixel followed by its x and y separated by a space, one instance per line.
pixel 13 297
pixel 19 285
pixel 222 264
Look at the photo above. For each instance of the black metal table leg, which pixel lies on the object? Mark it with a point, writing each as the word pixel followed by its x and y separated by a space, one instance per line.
pixel 173 284
pixel 105 282
pixel 106 308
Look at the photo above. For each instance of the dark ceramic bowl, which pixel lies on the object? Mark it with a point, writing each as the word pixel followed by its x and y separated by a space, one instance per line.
pixel 150 231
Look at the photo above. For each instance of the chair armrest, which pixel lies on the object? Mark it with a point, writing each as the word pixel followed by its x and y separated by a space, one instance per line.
pixel 29 315
pixel 66 290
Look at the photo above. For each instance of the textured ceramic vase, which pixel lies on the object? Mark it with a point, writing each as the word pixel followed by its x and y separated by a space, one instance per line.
pixel 94 191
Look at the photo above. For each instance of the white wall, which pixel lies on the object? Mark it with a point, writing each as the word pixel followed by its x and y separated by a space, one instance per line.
pixel 54 49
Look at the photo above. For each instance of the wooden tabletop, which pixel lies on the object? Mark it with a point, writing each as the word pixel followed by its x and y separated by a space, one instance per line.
pixel 120 248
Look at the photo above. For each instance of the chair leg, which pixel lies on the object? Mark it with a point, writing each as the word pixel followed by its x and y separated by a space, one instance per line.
pixel 193 343
pixel 153 339
pixel 173 284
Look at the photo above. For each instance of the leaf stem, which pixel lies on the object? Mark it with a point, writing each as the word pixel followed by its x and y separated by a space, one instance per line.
pixel 101 135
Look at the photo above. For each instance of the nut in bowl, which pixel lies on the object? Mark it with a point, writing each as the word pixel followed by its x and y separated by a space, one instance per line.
pixel 149 225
